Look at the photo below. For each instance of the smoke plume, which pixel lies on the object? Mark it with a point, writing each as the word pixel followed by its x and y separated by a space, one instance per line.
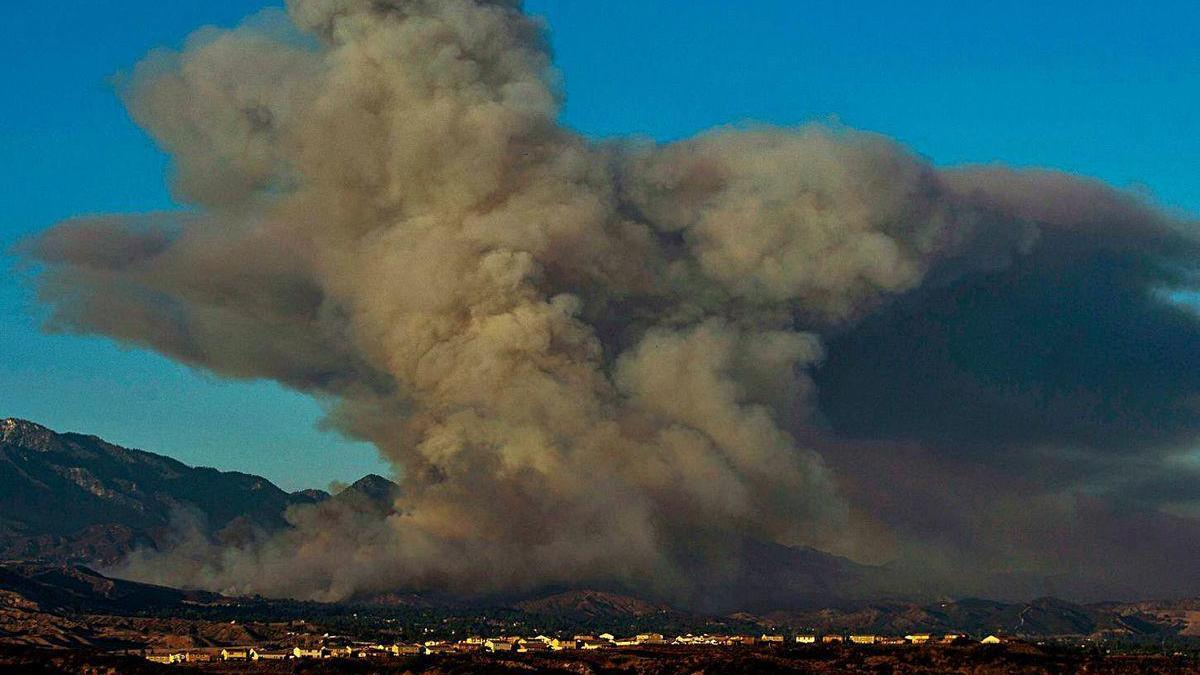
pixel 594 362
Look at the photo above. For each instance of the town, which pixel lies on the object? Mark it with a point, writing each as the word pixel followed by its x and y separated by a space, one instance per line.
pixel 332 646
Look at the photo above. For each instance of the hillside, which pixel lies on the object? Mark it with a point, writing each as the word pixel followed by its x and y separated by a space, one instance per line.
pixel 72 497
pixel 1042 617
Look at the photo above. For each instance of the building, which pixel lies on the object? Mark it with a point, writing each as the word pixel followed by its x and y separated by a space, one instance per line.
pixel 269 654
pixel 773 639
pixel 918 638
pixel 593 644
pixel 992 640
pixel 806 638
pixel 651 638
pixel 373 652
pixel 306 653
pixel 499 645
pixel 626 642
pixel 163 657
pixel 832 639
pixel 436 648
pixel 951 638
pixel 406 650
pixel 863 638
pixel 236 654
pixel 890 640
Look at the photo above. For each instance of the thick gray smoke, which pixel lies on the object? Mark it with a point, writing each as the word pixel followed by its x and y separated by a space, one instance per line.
pixel 578 355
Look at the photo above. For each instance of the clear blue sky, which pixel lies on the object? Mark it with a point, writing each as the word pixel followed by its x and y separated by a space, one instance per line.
pixel 1102 88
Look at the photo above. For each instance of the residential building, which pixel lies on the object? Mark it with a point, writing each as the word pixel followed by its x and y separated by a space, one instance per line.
pixel 593 644
pixel 235 654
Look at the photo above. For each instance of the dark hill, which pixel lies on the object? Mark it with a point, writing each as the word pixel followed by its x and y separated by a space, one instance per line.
pixel 591 606
pixel 77 589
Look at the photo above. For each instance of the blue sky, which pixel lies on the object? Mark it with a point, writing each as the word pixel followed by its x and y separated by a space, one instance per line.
pixel 1106 89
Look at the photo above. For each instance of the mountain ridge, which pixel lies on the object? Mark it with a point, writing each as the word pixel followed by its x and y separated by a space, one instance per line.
pixel 77 591
pixel 71 497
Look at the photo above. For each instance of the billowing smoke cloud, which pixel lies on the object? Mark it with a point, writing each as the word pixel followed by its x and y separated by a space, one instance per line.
pixel 593 362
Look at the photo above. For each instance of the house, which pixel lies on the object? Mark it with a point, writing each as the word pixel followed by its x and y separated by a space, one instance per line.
pixel 626 642
pixel 532 646
pixel 607 636
pixel 163 657
pixel 382 647
pixel 918 638
pixel 951 638
pixel 559 644
pixel 498 645
pixel 777 639
pixel 336 652
pixel 993 640
pixel 806 638
pixel 593 644
pixel 373 651
pixel 651 638
pixel 890 640
pixel 236 654
pixel 269 655
pixel 832 639
pixel 863 638
pixel 306 653
pixel 436 648
pixel 406 650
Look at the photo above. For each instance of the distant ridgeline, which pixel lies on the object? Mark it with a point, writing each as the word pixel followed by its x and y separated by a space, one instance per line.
pixel 76 498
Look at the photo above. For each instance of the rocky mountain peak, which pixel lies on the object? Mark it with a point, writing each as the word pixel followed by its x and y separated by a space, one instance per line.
pixel 371 493
pixel 375 486
pixel 28 435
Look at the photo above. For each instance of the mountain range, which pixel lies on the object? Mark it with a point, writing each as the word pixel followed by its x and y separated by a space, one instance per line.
pixel 67 497
pixel 76 498
pixel 69 501
pixel 73 606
